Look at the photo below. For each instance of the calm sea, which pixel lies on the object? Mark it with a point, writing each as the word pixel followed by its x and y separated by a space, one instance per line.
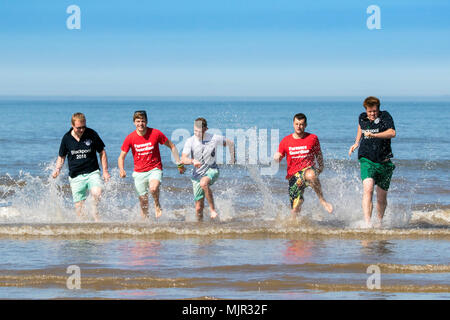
pixel 254 251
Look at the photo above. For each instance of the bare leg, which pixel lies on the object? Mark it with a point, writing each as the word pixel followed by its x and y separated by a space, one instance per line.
pixel 381 203
pixel 367 205
pixel 313 180
pixel 199 206
pixel 96 193
pixel 143 201
pixel 79 209
pixel 204 184
pixel 295 211
pixel 154 190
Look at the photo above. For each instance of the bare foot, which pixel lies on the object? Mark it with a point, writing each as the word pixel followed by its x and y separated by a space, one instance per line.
pixel 82 217
pixel 199 216
pixel 327 206
pixel 294 215
pixel 213 214
pixel 158 212
pixel 377 224
pixel 366 225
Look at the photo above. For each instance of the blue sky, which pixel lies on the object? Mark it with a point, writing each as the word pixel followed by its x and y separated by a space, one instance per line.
pixel 224 48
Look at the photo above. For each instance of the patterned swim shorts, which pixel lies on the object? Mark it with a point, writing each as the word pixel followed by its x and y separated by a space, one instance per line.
pixel 297 186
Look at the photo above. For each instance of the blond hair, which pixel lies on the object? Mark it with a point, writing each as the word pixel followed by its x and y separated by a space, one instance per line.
pixel 78 116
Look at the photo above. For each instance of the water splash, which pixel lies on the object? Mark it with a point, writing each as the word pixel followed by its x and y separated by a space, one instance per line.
pixel 248 199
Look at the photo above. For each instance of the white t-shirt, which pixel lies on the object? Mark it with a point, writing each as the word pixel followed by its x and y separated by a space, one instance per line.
pixel 203 151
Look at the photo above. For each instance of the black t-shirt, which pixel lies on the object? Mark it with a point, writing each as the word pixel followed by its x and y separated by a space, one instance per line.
pixel 81 155
pixel 375 149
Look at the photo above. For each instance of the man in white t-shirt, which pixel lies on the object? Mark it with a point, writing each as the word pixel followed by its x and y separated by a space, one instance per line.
pixel 200 150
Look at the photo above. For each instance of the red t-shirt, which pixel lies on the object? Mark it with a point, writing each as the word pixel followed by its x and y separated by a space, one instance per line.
pixel 145 149
pixel 300 153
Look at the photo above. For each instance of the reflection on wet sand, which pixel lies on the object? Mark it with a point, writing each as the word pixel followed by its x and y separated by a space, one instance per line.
pixel 298 251
pixel 377 248
pixel 140 253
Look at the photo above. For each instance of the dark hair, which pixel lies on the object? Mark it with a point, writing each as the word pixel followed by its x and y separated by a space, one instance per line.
pixel 201 121
pixel 300 116
pixel 371 102
pixel 140 114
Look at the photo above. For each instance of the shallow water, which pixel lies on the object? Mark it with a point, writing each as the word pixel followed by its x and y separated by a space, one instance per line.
pixel 255 251
pixel 255 267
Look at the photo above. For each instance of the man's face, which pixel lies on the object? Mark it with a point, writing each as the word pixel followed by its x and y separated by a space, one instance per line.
pixel 140 124
pixel 79 127
pixel 299 126
pixel 198 132
pixel 372 113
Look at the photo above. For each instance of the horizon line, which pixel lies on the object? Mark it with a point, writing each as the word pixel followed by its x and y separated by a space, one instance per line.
pixel 165 97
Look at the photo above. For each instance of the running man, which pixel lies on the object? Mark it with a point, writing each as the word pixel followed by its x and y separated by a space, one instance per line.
pixel 302 150
pixel 374 156
pixel 200 151
pixel 144 143
pixel 80 145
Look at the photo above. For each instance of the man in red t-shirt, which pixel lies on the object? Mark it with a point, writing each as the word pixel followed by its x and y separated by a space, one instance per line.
pixel 144 143
pixel 302 149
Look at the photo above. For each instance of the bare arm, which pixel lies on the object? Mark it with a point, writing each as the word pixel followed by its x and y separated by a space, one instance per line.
pixel 319 158
pixel 176 156
pixel 230 145
pixel 59 165
pixel 278 157
pixel 357 139
pixel 121 163
pixel 174 150
pixel 104 162
pixel 188 161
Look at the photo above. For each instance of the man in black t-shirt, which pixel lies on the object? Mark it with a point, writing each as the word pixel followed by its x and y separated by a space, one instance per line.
pixel 81 144
pixel 374 155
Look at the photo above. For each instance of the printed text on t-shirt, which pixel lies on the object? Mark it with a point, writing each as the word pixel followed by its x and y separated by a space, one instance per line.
pixel 298 150
pixel 141 148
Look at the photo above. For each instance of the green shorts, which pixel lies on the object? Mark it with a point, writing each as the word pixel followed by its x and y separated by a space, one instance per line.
pixel 380 172
pixel 212 174
pixel 84 182
pixel 142 180
pixel 297 186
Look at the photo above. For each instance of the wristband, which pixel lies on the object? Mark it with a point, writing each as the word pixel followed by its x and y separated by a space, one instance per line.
pixel 180 165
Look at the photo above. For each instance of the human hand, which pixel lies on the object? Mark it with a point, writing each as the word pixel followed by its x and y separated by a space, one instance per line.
pixel 196 163
pixel 181 169
pixel 106 176
pixel 56 173
pixel 277 157
pixel 352 148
